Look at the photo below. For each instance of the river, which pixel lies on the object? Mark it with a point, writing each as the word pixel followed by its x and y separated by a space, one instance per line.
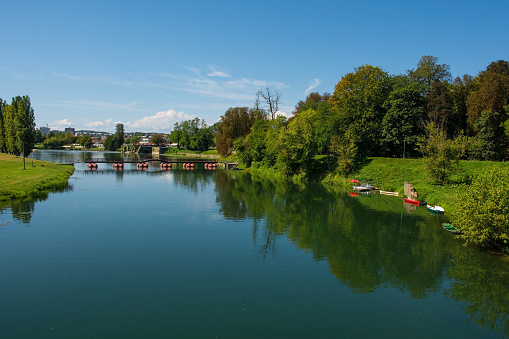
pixel 221 254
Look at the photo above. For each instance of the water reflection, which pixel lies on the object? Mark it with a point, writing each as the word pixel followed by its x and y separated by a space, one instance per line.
pixel 370 242
pixel 480 282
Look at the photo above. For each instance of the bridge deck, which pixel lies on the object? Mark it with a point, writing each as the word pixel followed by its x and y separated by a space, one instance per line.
pixel 166 161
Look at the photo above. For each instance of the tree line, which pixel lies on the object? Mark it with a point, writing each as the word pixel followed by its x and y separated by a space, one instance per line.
pixel 17 126
pixel 371 114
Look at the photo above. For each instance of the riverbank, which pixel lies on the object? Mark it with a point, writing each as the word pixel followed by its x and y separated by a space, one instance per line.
pixel 37 178
pixel 389 174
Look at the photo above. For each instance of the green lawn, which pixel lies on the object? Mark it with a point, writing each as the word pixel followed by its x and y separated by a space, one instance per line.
pixel 36 179
pixel 390 174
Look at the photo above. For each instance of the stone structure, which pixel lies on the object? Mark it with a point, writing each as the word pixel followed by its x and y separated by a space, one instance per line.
pixel 410 191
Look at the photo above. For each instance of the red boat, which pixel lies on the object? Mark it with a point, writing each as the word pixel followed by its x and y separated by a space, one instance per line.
pixel 415 202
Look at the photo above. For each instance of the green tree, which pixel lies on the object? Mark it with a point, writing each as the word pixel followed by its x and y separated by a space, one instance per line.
pixel 297 146
pixel 10 125
pixel 109 143
pixel 345 149
pixel 441 155
pixel 311 102
pixel 358 99
pixel 235 123
pixel 429 71
pixel 460 90
pixel 85 140
pixel 492 94
pixel 403 124
pixel 492 138
pixel 482 212
pixel 39 137
pixel 158 139
pixel 114 142
pixel 3 147
pixel 135 139
pixel 440 107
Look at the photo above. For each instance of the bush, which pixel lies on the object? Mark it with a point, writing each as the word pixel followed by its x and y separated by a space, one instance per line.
pixel 482 211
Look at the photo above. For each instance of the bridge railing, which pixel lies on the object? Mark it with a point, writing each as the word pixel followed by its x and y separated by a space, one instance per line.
pixel 172 161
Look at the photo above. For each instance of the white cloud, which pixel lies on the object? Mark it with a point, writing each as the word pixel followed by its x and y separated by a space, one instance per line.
pixel 214 72
pixel 160 122
pixel 315 84
pixel 218 74
pixel 106 125
pixel 60 125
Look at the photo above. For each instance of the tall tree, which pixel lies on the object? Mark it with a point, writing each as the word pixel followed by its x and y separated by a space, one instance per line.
pixel 403 124
pixel 358 99
pixel 11 145
pixel 491 136
pixel 235 123
pixel 440 107
pixel 460 90
pixel 492 94
pixel 311 102
pixel 441 155
pixel 3 148
pixel 429 70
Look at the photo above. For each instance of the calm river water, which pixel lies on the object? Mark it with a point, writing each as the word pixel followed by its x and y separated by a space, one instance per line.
pixel 221 254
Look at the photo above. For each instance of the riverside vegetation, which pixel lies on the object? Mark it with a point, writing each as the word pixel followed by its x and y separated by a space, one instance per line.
pixel 454 131
pixel 458 127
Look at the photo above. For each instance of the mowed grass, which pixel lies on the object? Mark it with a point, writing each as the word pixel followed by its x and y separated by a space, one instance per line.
pixel 37 178
pixel 390 175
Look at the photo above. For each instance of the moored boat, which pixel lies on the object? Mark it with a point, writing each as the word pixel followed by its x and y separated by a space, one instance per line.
pixel 364 187
pixel 415 202
pixel 450 228
pixel 435 209
pixel 389 193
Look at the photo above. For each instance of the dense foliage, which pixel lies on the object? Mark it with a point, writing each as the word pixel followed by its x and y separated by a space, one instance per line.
pixel 114 142
pixel 371 113
pixel 482 211
pixel 17 126
pixel 193 135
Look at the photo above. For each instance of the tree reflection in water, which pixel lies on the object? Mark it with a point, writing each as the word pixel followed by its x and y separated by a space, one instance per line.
pixel 370 242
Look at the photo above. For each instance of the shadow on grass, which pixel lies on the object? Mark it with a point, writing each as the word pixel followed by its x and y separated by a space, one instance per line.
pixel 360 163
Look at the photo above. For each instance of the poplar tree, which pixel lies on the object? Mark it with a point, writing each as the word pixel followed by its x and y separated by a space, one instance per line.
pixel 2 133
pixel 25 126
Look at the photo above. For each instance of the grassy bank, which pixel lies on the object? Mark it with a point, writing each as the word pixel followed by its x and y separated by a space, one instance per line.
pixel 38 177
pixel 390 174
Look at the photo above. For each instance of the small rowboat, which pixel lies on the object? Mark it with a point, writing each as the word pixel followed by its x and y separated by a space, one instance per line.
pixel 450 228
pixel 389 193
pixel 415 202
pixel 364 187
pixel 436 209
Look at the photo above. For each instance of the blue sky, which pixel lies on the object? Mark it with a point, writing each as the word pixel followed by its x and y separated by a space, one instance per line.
pixel 148 64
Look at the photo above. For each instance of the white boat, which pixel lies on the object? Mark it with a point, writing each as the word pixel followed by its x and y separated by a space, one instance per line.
pixel 364 187
pixel 436 209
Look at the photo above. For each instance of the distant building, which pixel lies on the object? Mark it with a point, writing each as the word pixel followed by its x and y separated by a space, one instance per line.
pixel 44 130
pixel 71 130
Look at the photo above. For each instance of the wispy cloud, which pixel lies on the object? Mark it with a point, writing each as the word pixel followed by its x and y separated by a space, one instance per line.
pixel 313 85
pixel 214 72
pixel 13 71
pixel 101 104
pixel 106 124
